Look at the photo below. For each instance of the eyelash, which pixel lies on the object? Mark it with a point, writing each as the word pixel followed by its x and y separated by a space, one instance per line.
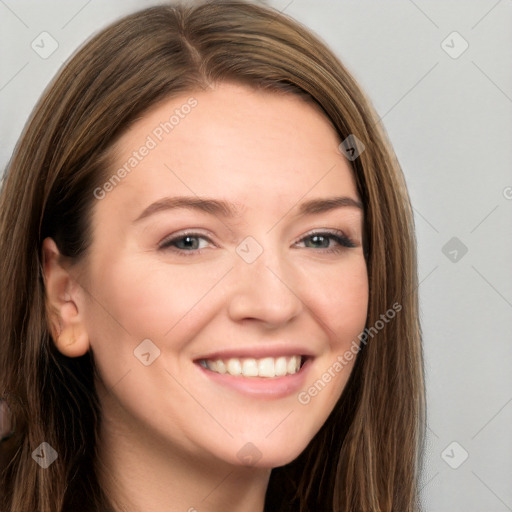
pixel 342 240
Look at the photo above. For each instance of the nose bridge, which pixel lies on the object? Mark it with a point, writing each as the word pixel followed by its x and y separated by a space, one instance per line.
pixel 263 284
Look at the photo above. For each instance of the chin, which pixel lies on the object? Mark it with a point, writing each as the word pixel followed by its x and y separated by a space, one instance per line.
pixel 267 455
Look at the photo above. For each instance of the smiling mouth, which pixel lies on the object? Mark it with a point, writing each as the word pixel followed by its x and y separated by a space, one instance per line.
pixel 269 367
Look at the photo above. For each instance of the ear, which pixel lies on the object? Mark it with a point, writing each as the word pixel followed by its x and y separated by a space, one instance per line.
pixel 65 318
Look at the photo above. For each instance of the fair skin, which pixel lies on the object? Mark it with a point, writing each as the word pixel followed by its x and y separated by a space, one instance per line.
pixel 175 435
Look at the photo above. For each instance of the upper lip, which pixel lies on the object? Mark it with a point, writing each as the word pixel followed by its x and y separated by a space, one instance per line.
pixel 257 352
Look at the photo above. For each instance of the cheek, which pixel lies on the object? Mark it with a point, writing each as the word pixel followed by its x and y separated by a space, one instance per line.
pixel 339 303
pixel 339 299
pixel 348 311
pixel 150 298
pixel 132 300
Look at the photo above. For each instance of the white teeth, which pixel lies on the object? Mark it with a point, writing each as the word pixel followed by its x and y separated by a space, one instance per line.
pixel 280 366
pixel 234 367
pixel 292 364
pixel 215 366
pixel 249 368
pixel 221 367
pixel 267 367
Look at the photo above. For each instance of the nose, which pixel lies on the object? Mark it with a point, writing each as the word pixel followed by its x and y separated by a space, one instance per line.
pixel 264 291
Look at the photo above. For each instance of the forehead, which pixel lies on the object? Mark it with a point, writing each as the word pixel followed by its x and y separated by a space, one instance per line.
pixel 248 146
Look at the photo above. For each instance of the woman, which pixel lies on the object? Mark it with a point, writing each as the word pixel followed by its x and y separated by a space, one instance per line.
pixel 209 294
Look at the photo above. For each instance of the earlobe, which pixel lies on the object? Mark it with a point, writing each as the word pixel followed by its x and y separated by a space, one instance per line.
pixel 72 340
pixel 73 343
pixel 65 319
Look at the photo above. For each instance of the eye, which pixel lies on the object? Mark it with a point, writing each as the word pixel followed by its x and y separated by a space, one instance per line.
pixel 186 243
pixel 328 241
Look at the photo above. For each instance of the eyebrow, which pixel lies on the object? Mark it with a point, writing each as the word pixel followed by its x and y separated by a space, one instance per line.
pixel 229 210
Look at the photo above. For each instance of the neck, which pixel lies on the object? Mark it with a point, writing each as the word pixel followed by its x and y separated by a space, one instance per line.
pixel 139 472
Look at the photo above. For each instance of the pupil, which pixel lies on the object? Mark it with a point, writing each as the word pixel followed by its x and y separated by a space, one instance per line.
pixel 189 242
pixel 320 240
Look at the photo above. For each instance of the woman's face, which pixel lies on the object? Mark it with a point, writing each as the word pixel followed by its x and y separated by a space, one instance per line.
pixel 226 255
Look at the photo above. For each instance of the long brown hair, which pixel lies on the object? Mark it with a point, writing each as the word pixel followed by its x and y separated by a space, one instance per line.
pixel 367 456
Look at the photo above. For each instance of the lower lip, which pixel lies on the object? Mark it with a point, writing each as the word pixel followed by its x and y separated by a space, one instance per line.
pixel 263 387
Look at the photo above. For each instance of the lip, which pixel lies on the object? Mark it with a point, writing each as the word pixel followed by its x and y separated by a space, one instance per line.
pixel 259 387
pixel 258 352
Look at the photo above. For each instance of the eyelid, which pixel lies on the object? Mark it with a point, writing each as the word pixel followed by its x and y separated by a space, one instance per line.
pixel 163 244
pixel 166 243
pixel 325 231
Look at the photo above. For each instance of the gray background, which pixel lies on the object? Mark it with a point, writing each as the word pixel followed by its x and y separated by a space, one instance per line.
pixel 449 119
